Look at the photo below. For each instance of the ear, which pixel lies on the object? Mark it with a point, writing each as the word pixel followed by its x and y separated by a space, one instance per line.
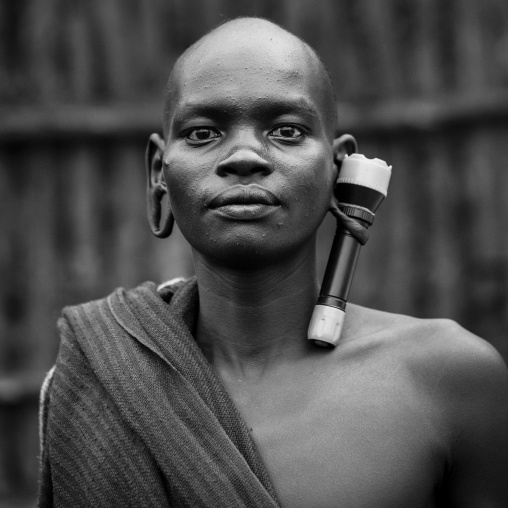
pixel 156 188
pixel 153 162
pixel 342 146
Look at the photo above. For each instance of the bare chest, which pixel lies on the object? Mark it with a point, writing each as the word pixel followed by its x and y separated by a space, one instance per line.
pixel 346 440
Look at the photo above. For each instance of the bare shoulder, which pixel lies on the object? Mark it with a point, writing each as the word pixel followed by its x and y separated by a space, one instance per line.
pixel 433 343
pixel 459 383
pixel 440 356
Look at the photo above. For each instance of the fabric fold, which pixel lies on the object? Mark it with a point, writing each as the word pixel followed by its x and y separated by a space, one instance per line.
pixel 139 414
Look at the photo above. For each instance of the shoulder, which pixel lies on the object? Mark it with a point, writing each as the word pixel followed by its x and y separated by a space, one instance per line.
pixel 439 339
pixel 165 289
pixel 432 344
pixel 460 383
pixel 448 365
pixel 99 305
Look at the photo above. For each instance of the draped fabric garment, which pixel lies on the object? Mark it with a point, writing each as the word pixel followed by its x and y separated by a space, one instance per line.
pixel 135 415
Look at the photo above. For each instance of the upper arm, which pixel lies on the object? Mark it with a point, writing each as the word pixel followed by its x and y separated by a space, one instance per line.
pixel 476 396
pixel 44 400
pixel 45 495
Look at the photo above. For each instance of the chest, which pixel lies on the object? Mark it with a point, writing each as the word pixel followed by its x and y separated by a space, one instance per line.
pixel 346 440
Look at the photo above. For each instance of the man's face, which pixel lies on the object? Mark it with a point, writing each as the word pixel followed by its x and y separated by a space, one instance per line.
pixel 248 158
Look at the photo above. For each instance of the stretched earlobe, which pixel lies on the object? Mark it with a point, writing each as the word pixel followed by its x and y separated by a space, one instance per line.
pixel 156 189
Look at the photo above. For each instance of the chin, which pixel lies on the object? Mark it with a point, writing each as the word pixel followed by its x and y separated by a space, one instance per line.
pixel 241 254
pixel 252 253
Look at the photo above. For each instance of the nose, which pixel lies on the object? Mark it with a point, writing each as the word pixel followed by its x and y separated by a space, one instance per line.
pixel 244 158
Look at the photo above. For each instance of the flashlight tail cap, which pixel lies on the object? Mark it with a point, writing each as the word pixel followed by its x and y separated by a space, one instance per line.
pixel 325 326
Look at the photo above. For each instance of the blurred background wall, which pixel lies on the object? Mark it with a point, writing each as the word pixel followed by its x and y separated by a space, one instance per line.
pixel 422 84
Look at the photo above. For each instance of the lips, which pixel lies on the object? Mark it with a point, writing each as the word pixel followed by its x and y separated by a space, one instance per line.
pixel 244 203
pixel 244 195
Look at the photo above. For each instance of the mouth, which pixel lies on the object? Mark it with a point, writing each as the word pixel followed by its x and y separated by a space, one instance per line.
pixel 244 202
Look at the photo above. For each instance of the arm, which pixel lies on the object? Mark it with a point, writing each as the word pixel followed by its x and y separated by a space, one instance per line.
pixel 45 485
pixel 43 407
pixel 477 394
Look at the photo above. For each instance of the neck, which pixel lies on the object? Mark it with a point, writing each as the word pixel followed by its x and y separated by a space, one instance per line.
pixel 253 319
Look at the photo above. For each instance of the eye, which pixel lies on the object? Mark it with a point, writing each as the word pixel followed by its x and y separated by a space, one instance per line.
pixel 202 135
pixel 287 132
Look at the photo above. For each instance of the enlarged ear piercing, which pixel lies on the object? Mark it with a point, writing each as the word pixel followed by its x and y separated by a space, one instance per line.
pixel 154 203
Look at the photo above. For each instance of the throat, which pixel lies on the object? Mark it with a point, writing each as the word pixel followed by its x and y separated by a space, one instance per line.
pixel 250 322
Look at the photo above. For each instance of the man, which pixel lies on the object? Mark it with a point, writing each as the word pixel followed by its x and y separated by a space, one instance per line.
pixel 216 398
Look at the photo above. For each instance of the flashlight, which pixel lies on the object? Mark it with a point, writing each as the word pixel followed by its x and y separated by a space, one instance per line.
pixel 361 188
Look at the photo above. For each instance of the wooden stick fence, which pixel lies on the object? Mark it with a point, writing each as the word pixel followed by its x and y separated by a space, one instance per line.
pixel 421 83
pixel 124 120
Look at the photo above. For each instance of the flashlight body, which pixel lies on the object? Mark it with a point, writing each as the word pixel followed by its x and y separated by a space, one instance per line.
pixel 327 320
pixel 361 188
pixel 339 269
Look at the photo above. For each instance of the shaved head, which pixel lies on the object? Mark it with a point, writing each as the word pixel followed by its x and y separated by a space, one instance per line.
pixel 259 40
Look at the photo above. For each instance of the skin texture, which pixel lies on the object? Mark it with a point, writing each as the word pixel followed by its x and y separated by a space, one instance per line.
pixel 404 412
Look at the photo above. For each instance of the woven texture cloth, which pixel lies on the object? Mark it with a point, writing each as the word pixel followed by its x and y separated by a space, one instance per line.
pixel 135 415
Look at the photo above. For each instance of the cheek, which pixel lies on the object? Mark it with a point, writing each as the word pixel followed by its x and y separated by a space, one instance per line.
pixel 311 185
pixel 184 193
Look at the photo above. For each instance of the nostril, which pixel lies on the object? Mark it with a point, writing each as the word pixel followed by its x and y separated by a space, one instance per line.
pixel 241 170
pixel 243 162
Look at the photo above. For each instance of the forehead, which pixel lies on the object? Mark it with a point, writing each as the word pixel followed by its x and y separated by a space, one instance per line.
pixel 246 64
pixel 257 48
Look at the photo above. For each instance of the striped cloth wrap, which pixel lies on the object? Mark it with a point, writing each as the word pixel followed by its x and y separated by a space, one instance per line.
pixel 135 416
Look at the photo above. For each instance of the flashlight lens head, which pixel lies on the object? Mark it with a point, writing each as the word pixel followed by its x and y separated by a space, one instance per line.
pixel 372 173
pixel 363 182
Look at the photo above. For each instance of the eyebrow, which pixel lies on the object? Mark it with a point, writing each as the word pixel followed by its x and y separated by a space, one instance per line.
pixel 224 109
